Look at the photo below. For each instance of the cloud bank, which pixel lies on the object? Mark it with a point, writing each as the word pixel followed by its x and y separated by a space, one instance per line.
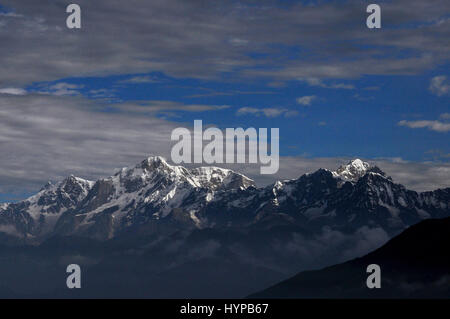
pixel 207 39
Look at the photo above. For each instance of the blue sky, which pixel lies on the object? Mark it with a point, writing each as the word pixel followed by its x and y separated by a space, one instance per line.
pixel 88 101
pixel 359 120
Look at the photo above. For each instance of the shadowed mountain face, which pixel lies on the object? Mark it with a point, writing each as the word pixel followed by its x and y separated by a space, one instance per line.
pixel 415 264
pixel 158 230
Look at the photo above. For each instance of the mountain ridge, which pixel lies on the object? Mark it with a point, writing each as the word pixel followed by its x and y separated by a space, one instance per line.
pixel 154 190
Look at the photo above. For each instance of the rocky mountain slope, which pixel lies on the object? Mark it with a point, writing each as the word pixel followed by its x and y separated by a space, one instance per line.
pixel 156 194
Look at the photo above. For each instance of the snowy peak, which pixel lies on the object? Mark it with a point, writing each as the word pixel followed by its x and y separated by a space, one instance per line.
pixel 56 198
pixel 71 186
pixel 75 184
pixel 149 167
pixel 210 177
pixel 37 215
pixel 216 178
pixel 355 169
pixel 154 162
pixel 151 171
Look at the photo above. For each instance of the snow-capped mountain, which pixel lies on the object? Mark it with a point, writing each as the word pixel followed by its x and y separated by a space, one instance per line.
pixel 354 170
pixel 152 190
pixel 156 194
pixel 37 215
pixel 355 195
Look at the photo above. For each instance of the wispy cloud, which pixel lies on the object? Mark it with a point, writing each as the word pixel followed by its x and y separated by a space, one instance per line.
pixel 306 100
pixel 141 79
pixel 267 112
pixel 47 137
pixel 13 91
pixel 155 106
pixel 439 85
pixel 321 83
pixel 205 43
pixel 437 126
pixel 102 93
pixel 229 93
pixel 60 89
pixel 10 15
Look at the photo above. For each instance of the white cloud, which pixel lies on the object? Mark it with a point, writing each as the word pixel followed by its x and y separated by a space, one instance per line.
pixel 320 83
pixel 102 93
pixel 60 89
pixel 439 85
pixel 154 106
pixel 267 112
pixel 200 41
pixel 431 125
pixel 141 79
pixel 47 137
pixel 13 91
pixel 306 100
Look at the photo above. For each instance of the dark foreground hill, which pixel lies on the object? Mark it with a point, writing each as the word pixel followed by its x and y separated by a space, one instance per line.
pixel 415 264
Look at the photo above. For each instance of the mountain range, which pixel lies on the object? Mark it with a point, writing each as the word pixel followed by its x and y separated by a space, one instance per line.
pixel 154 192
pixel 159 230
